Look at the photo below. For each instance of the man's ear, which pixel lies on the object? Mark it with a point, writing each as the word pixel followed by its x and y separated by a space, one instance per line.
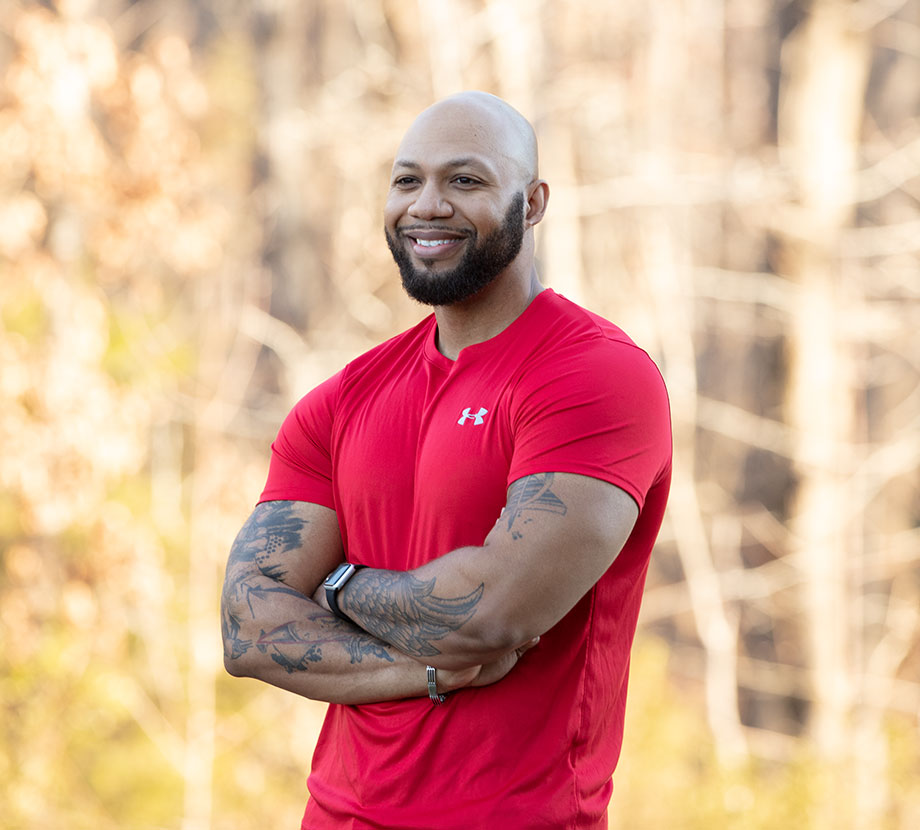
pixel 537 199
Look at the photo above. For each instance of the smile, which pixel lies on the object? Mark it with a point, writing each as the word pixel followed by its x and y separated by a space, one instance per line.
pixel 431 245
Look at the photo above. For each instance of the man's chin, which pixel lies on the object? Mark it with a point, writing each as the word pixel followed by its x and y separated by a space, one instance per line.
pixel 440 289
pixel 425 290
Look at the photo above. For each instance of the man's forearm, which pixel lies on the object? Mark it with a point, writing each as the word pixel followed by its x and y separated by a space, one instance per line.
pixel 276 635
pixel 272 631
pixel 424 615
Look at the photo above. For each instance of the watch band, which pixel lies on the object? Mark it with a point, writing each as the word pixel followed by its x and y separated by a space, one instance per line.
pixel 335 582
pixel 432 676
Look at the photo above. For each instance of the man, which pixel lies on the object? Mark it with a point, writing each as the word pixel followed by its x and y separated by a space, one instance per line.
pixel 497 474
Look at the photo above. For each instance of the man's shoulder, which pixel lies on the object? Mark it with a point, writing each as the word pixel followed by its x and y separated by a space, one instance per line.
pixel 582 355
pixel 575 321
pixel 576 335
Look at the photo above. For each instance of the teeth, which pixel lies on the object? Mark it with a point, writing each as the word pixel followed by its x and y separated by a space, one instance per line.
pixel 433 243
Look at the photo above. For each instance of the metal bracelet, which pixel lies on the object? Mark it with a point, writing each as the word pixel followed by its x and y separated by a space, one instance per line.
pixel 432 675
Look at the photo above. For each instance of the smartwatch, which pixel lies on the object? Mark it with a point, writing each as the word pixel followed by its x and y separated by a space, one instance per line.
pixel 335 582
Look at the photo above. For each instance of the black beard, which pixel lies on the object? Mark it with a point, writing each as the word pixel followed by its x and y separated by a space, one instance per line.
pixel 480 265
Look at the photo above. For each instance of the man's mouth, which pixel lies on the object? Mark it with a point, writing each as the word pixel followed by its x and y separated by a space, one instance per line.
pixel 433 244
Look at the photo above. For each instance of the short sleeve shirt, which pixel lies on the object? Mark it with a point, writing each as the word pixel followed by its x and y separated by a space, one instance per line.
pixel 415 453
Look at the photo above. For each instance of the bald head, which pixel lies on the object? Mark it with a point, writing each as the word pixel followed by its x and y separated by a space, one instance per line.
pixel 489 124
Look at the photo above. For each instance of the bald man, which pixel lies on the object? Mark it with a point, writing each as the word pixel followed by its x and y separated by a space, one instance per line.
pixel 452 542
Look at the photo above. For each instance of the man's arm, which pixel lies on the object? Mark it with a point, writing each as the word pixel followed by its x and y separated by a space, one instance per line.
pixel 272 631
pixel 556 537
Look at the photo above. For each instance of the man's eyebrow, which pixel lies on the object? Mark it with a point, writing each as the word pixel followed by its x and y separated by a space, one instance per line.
pixel 465 161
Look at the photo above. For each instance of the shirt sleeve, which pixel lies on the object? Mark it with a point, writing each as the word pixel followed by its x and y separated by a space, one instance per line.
pixel 598 409
pixel 301 461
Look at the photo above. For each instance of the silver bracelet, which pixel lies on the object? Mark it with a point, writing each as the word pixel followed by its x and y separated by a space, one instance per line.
pixel 432 675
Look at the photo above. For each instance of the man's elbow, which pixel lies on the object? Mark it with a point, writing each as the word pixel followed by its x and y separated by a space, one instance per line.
pixel 237 651
pixel 234 666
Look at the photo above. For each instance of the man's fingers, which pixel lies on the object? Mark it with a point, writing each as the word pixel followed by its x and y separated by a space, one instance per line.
pixel 527 646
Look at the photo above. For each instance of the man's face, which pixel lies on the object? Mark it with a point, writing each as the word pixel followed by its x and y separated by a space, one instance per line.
pixel 481 261
pixel 454 216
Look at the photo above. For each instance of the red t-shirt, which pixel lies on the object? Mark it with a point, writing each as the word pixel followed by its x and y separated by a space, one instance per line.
pixel 415 453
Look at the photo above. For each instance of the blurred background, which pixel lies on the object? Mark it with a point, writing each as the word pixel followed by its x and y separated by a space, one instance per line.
pixel 191 237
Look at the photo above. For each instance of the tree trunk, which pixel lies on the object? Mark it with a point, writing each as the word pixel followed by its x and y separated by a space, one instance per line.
pixel 825 65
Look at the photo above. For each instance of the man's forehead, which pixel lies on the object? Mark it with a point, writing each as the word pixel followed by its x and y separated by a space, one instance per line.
pixel 453 128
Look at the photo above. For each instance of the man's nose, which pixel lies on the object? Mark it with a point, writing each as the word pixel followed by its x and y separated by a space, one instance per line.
pixel 430 203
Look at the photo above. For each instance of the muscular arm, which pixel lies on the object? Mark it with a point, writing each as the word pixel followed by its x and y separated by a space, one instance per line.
pixel 556 537
pixel 274 632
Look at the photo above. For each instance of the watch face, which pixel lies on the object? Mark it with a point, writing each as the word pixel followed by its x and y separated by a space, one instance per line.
pixel 341 573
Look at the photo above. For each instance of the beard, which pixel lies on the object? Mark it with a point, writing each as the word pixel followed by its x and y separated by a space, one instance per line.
pixel 480 265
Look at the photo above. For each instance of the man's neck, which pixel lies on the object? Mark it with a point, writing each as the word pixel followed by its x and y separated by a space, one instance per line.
pixel 487 314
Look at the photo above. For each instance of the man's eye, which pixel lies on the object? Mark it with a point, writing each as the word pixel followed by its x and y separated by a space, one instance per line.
pixel 404 181
pixel 465 180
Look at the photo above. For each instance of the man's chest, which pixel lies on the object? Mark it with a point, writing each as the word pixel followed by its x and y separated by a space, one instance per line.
pixel 425 457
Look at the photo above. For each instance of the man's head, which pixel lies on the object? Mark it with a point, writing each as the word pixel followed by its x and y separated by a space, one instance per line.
pixel 464 196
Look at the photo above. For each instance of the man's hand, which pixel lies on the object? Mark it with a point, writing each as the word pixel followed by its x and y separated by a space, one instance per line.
pixel 450 680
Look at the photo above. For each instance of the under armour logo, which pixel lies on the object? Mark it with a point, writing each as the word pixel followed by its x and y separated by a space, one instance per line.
pixel 476 416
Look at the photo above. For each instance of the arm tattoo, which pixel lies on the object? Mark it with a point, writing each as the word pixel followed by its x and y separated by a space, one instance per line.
pixel 271 532
pixel 531 493
pixel 405 612
pixel 256 573
pixel 293 646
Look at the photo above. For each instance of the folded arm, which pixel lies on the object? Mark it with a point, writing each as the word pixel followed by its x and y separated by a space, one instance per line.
pixel 274 632
pixel 556 537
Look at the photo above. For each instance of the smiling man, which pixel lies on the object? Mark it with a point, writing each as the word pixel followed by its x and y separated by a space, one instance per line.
pixel 452 543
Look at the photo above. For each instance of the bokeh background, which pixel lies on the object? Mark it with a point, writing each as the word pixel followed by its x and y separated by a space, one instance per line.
pixel 190 238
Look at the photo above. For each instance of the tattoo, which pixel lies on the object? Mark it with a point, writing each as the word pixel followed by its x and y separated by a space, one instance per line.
pixel 274 640
pixel 272 531
pixel 405 612
pixel 256 571
pixel 286 643
pixel 531 493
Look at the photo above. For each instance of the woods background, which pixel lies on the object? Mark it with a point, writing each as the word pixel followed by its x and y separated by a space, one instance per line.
pixel 190 238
